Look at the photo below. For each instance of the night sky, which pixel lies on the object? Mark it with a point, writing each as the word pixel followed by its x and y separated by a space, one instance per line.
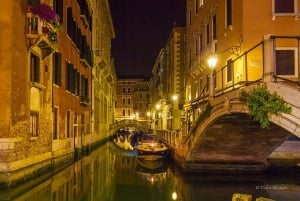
pixel 142 28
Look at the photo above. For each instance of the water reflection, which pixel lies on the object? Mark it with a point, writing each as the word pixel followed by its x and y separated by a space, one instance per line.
pixel 111 174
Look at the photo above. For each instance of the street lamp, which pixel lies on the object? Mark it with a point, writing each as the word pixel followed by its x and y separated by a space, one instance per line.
pixel 212 61
pixel 175 97
pixel 157 106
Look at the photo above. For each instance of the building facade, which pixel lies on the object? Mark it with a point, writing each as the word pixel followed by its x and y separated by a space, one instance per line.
pixel 47 92
pixel 175 80
pixel 104 75
pixel 158 90
pixel 167 83
pixel 141 101
pixel 72 72
pixel 230 31
pixel 132 98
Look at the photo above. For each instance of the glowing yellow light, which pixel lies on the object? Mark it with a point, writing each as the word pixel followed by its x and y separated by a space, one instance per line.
pixel 174 196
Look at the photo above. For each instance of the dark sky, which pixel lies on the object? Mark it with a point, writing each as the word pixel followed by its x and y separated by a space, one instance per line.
pixel 142 28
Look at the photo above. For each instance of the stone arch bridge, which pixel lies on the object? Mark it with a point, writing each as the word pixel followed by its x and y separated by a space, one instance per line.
pixel 230 140
pixel 144 127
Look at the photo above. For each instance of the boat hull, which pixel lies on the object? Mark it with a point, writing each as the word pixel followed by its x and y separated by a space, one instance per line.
pixel 150 161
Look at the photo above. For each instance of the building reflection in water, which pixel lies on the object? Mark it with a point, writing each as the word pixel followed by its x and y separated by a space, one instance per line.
pixel 111 174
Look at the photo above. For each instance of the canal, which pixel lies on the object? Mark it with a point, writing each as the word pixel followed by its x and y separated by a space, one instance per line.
pixel 111 174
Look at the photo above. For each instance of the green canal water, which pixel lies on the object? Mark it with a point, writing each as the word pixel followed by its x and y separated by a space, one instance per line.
pixel 111 174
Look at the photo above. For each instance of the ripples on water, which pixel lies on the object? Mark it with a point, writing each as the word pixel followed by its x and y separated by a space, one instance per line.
pixel 111 174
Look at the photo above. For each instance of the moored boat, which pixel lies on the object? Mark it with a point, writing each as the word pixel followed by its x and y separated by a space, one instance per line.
pixel 150 148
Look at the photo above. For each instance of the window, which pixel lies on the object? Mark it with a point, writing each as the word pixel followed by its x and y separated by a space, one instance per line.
pixel 68 126
pixel 124 112
pixel 82 125
pixel 84 87
pixel 124 90
pixel 128 90
pixel 128 101
pixel 34 124
pixel 72 79
pixel 285 62
pixel 128 112
pixel 34 68
pixel 75 125
pixel 77 82
pixel 58 8
pixel 190 17
pixel 214 27
pixel 201 42
pixel 197 6
pixel 71 24
pixel 228 13
pixel 69 76
pixel 57 68
pixel 55 123
pixel 284 6
pixel 207 34
pixel 229 70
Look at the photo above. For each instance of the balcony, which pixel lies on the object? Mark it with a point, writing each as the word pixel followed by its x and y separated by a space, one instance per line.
pixel 84 101
pixel 86 57
pixel 41 34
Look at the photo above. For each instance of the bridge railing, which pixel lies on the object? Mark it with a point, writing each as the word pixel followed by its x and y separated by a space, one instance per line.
pixel 250 67
pixel 236 73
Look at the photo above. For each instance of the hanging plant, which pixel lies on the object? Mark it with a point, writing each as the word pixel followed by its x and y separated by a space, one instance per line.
pixel 51 25
pixel 52 36
pixel 261 103
pixel 45 12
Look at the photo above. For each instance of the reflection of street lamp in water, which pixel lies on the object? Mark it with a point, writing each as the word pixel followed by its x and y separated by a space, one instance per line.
pixel 174 195
pixel 212 61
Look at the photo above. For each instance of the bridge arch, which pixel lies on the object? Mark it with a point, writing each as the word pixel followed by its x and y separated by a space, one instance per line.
pixel 144 127
pixel 230 136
